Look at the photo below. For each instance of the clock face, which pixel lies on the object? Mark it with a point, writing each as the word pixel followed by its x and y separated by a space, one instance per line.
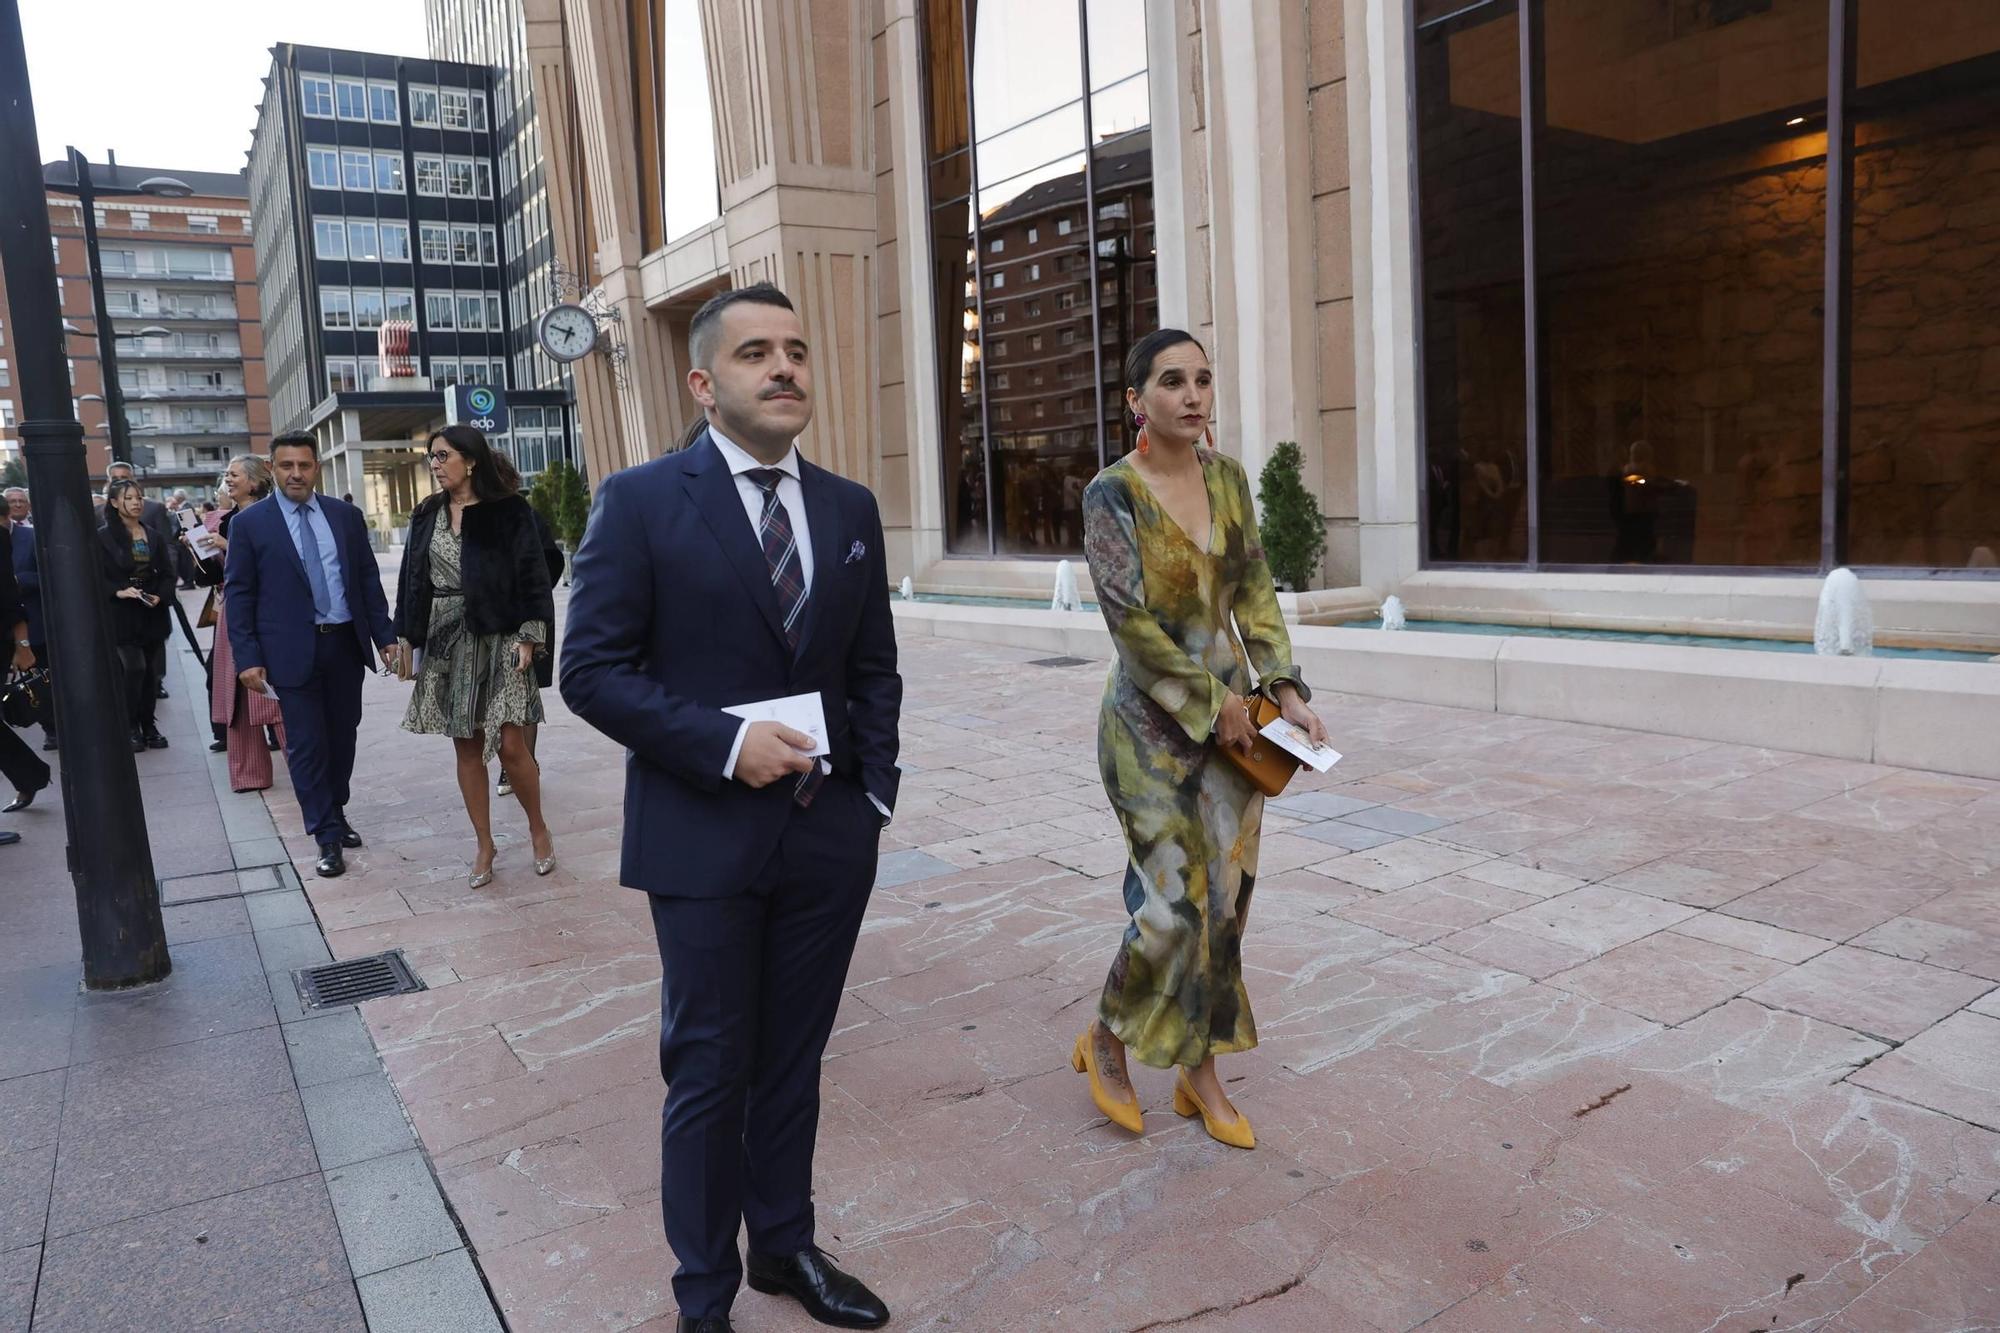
pixel 568 332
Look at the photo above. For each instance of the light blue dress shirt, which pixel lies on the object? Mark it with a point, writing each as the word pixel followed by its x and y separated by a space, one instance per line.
pixel 329 556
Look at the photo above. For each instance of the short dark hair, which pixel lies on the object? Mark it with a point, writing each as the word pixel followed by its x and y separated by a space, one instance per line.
pixel 295 439
pixel 706 326
pixel 1139 361
pixel 489 482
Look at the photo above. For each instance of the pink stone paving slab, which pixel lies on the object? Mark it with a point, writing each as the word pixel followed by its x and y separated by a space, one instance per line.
pixel 1754 1057
pixel 1712 1253
pixel 1666 977
pixel 1529 1034
pixel 1936 943
pixel 1596 918
pixel 1953 1067
pixel 1785 946
pixel 1399 865
pixel 1836 900
pixel 1952 1286
pixel 1883 1169
pixel 1436 908
pixel 1500 945
pixel 1889 998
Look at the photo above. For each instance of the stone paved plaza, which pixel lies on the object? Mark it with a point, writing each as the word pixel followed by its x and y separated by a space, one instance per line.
pixel 1562 1027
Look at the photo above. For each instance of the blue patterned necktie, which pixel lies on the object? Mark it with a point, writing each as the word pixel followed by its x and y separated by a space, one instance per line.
pixel 315 571
pixel 788 580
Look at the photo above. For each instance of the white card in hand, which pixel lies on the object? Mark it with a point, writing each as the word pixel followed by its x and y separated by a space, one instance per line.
pixel 1287 737
pixel 268 692
pixel 800 712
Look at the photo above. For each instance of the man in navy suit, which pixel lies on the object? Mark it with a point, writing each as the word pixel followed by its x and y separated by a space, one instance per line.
pixel 735 572
pixel 306 614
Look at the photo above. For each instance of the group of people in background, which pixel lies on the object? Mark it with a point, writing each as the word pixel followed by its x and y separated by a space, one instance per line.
pixel 298 612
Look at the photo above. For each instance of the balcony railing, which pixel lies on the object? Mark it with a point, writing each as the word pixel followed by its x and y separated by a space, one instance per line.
pixel 144 315
pixel 165 274
pixel 152 393
pixel 182 353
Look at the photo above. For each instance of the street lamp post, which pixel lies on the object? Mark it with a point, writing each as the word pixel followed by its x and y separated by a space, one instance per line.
pixel 110 857
pixel 87 192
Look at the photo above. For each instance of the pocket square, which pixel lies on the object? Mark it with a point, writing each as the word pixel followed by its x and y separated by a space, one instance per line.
pixel 856 552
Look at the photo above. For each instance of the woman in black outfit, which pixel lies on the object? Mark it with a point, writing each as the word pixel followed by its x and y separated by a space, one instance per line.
pixel 139 574
pixel 474 596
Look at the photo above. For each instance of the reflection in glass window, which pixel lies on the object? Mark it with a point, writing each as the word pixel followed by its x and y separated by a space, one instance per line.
pixel 687 141
pixel 1474 350
pixel 1924 426
pixel 1061 110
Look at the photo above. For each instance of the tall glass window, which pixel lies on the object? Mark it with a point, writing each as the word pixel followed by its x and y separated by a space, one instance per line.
pixel 1042 240
pixel 1924 428
pixel 1668 342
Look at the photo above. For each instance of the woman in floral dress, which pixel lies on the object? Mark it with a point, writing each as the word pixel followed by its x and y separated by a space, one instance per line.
pixel 1171 537
pixel 474 598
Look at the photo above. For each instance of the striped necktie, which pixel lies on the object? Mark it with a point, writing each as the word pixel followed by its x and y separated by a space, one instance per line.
pixel 788 580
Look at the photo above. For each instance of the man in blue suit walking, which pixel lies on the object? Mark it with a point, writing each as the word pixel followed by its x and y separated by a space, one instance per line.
pixel 306 615
pixel 734 572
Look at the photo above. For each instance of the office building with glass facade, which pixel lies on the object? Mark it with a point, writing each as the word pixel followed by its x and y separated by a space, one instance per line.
pixel 377 214
pixel 1615 311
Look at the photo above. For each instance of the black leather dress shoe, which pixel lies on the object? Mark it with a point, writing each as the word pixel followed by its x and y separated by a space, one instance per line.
pixel 8 838
pixel 22 799
pixel 829 1295
pixel 331 864
pixel 712 1323
pixel 349 838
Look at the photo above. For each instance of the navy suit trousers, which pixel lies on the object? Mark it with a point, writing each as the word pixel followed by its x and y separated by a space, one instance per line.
pixel 322 716
pixel 750 987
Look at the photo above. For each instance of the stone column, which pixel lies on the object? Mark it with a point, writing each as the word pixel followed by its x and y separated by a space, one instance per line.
pixel 585 100
pixel 794 129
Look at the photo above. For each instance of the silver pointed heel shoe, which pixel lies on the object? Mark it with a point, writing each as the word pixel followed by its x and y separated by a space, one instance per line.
pixel 479 880
pixel 545 865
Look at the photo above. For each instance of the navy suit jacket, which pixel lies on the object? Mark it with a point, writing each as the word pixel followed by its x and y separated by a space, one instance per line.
pixel 270 602
pixel 672 618
pixel 28 578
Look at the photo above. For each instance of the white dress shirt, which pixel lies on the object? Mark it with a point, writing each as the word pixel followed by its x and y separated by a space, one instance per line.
pixel 793 497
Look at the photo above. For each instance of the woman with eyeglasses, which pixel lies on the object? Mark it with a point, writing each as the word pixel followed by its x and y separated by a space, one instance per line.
pixel 473 602
pixel 138 563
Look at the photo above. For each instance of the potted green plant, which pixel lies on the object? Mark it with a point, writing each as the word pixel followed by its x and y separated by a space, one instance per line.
pixel 1291 524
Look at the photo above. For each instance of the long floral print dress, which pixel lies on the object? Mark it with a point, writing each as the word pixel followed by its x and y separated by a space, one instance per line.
pixel 1175 993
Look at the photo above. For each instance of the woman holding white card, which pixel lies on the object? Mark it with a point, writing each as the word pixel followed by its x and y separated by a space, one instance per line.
pixel 1171 537
pixel 474 598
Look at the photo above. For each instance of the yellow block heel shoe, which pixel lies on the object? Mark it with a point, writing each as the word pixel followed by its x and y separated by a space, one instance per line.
pixel 1125 1115
pixel 1237 1135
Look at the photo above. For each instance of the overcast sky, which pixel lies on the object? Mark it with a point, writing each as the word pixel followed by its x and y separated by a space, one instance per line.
pixel 175 83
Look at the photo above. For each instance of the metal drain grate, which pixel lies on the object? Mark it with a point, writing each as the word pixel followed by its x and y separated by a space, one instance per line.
pixel 1060 662
pixel 355 979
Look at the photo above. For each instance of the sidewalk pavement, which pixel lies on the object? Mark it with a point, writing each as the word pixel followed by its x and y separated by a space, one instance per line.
pixel 202 1153
pixel 1560 1024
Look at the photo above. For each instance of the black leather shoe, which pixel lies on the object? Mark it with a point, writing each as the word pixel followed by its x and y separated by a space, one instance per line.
pixel 331 864
pixel 48 743
pixel 712 1323
pixel 154 740
pixel 162 690
pixel 22 799
pixel 829 1295
pixel 138 741
pixel 349 838
pixel 217 747
pixel 9 838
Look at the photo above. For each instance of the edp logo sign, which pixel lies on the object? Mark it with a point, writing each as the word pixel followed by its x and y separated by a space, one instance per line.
pixel 480 406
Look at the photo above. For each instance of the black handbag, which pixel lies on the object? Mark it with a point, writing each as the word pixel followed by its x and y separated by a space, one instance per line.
pixel 22 698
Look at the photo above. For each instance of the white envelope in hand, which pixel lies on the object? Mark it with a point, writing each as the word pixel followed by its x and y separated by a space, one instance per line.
pixel 800 712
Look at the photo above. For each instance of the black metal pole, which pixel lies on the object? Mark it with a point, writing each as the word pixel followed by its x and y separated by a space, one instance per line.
pixel 107 337
pixel 110 858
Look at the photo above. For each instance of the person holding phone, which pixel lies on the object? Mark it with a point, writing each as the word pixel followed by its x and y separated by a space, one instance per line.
pixel 139 574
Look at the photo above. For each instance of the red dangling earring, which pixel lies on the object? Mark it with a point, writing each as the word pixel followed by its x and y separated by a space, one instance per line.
pixel 1139 420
